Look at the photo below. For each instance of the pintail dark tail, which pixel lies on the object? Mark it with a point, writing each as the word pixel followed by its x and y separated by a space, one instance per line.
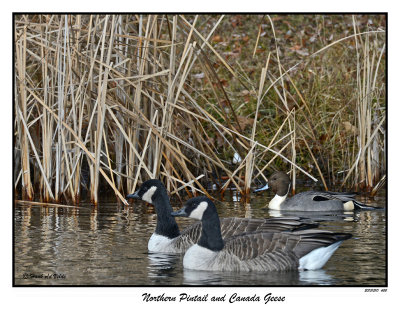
pixel 361 206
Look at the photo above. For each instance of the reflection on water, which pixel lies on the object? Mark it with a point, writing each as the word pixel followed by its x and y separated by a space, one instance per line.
pixel 107 245
pixel 307 277
pixel 316 216
pixel 162 266
pixel 315 277
pixel 195 277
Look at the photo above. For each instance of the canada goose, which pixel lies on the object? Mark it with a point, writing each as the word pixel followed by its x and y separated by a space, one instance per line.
pixel 279 183
pixel 305 249
pixel 168 239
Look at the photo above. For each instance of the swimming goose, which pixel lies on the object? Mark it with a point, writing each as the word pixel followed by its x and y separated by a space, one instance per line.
pixel 271 251
pixel 168 239
pixel 279 183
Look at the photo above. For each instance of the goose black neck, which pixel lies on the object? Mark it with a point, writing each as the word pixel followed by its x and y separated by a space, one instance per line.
pixel 166 224
pixel 211 237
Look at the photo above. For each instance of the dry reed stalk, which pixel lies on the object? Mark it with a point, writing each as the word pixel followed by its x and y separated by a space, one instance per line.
pixel 175 172
pixel 242 164
pixel 101 108
pixel 367 67
pixel 167 110
pixel 316 164
pixel 128 140
pixel 27 189
pixel 35 152
pixel 133 131
pixel 187 184
pixel 144 151
pixel 362 151
pixel 309 130
pixel 379 185
pixel 250 162
pixel 293 144
pixel 81 145
pixel 279 65
pixel 258 38
pixel 121 64
pixel 46 121
pixel 108 159
pixel 61 72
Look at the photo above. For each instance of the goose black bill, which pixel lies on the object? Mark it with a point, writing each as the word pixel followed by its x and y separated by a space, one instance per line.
pixel 179 213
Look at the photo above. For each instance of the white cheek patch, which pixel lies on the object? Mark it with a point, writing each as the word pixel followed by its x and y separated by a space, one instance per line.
pixel 147 197
pixel 198 212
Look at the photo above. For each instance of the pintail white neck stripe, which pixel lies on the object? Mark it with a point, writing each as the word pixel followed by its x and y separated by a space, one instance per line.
pixel 147 197
pixel 198 212
pixel 276 202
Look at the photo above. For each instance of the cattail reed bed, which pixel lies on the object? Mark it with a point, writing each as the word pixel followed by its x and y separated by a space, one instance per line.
pixel 104 102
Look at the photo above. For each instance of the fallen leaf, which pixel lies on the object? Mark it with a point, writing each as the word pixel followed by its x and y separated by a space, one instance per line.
pixel 224 82
pixel 245 122
pixel 295 47
pixel 348 127
pixel 216 38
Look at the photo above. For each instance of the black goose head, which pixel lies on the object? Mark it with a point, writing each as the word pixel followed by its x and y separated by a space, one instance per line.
pixel 149 191
pixel 153 191
pixel 279 183
pixel 200 208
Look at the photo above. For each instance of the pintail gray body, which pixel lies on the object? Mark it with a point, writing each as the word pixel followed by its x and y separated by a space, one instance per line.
pixel 279 183
pixel 262 251
pixel 168 238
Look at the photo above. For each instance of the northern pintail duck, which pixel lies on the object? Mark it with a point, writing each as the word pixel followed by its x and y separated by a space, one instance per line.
pixel 168 239
pixel 279 183
pixel 271 251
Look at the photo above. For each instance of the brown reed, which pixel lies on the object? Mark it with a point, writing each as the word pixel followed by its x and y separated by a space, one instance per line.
pixel 133 97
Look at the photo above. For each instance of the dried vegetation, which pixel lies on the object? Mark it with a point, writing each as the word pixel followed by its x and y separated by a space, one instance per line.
pixel 105 102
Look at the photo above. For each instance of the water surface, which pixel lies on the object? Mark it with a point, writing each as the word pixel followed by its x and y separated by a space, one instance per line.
pixel 107 245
